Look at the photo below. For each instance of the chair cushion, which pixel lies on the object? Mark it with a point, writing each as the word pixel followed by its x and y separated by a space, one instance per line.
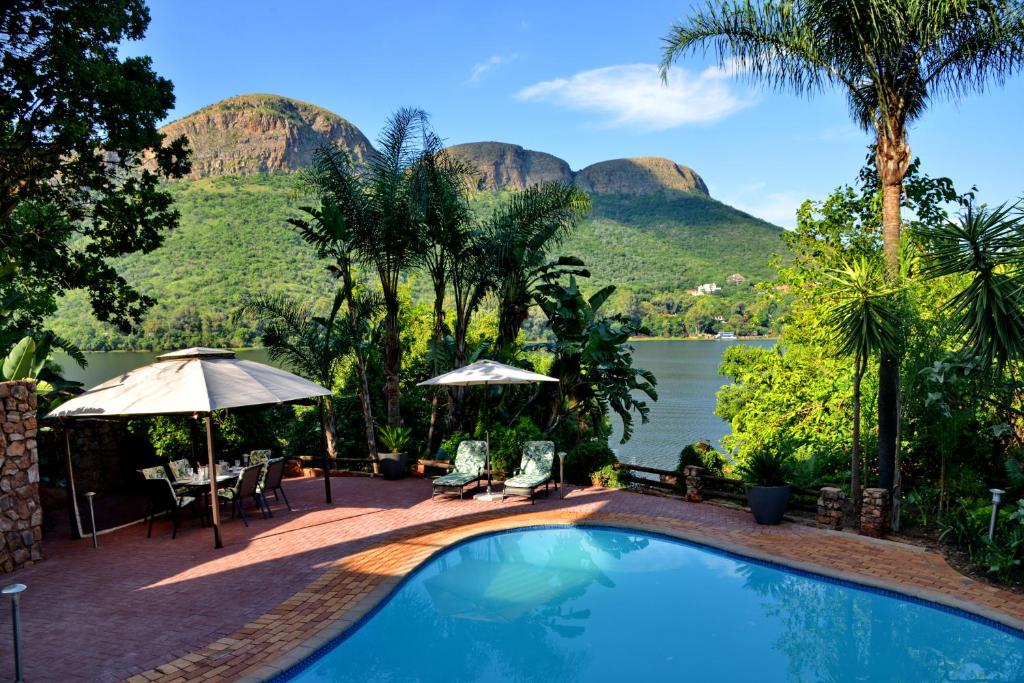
pixel 455 479
pixel 526 481
pixel 470 458
pixel 226 493
pixel 538 458
pixel 185 500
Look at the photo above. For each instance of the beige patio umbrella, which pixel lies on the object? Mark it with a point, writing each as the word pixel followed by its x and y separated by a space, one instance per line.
pixel 486 372
pixel 195 381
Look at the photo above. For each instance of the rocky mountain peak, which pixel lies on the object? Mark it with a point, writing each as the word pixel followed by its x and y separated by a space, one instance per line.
pixel 249 134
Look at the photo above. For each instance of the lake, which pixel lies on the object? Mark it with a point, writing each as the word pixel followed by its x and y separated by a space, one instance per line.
pixel 687 373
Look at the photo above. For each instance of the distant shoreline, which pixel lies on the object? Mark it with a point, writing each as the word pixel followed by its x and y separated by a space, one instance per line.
pixel 709 338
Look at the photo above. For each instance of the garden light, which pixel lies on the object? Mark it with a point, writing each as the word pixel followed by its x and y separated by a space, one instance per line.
pixel 997 497
pixel 15 590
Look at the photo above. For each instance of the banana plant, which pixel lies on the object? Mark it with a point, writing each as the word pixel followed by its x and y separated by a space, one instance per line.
pixel 29 359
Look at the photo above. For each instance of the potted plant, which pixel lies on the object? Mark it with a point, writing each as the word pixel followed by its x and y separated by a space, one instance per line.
pixel 393 462
pixel 766 472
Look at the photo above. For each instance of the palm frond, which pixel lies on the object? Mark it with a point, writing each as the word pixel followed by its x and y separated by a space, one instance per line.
pixel 987 245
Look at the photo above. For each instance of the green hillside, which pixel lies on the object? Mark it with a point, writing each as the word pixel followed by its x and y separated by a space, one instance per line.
pixel 233 239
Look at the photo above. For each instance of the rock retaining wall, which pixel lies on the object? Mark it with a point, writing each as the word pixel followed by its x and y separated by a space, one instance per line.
pixel 21 515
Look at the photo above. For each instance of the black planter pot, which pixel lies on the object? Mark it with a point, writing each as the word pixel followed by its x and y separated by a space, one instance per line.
pixel 393 465
pixel 768 503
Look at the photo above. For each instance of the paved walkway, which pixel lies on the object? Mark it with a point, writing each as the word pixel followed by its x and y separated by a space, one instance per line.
pixel 157 609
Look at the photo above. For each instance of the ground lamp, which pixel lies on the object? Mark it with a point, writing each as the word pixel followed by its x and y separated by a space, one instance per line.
pixel 486 373
pixel 195 381
pixel 14 591
pixel 997 498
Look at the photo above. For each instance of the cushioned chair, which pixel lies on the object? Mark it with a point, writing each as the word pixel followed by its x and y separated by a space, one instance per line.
pixel 156 472
pixel 163 498
pixel 534 470
pixel 272 482
pixel 260 457
pixel 246 487
pixel 179 468
pixel 469 468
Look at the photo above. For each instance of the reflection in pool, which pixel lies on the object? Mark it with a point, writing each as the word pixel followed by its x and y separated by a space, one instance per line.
pixel 598 604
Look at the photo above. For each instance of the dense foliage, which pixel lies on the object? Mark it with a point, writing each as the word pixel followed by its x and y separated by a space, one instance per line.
pixel 233 238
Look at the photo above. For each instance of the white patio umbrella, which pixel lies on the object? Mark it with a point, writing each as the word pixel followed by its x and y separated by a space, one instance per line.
pixel 486 372
pixel 192 381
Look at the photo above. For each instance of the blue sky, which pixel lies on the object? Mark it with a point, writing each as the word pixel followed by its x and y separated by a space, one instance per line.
pixel 573 79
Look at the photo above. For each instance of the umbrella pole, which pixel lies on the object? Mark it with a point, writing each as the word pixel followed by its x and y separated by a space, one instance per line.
pixel 76 529
pixel 212 466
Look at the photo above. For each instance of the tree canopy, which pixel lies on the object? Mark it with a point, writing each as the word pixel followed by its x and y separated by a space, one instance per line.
pixel 82 156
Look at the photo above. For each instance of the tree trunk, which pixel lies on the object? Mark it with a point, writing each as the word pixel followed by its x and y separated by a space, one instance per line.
pixel 364 400
pixel 355 329
pixel 327 424
pixel 439 340
pixel 511 316
pixel 892 157
pixel 855 493
pixel 392 364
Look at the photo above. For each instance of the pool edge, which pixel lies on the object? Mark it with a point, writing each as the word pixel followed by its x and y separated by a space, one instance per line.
pixel 312 649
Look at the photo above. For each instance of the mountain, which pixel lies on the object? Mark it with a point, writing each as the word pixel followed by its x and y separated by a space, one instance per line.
pixel 250 134
pixel 504 166
pixel 654 231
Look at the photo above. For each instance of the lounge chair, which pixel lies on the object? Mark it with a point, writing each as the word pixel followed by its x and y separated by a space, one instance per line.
pixel 469 468
pixel 534 471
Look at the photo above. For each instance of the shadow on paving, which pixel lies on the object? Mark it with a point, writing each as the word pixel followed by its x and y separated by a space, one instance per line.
pixel 136 603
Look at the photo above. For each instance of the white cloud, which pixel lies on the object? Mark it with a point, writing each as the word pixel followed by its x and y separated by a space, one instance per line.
pixel 633 95
pixel 483 68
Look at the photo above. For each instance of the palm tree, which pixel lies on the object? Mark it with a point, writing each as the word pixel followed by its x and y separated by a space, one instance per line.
pixel 863 321
pixel 987 246
pixel 519 235
pixel 890 58
pixel 312 344
pixel 447 233
pixel 333 179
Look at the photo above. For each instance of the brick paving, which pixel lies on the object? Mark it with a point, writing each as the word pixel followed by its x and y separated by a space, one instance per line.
pixel 162 610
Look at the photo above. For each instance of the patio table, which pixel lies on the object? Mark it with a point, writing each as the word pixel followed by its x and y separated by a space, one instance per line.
pixel 200 486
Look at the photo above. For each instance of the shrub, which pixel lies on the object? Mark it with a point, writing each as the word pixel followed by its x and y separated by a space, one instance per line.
pixel 507 443
pixel 450 446
pixel 766 467
pixel 394 439
pixel 610 478
pixel 585 459
pixel 701 454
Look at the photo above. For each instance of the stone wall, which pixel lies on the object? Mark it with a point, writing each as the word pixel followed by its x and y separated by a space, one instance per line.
pixel 694 483
pixel 21 515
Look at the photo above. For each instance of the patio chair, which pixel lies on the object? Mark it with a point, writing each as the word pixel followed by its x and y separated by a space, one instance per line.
pixel 272 482
pixel 534 471
pixel 469 468
pixel 245 487
pixel 260 457
pixel 155 472
pixel 179 468
pixel 163 498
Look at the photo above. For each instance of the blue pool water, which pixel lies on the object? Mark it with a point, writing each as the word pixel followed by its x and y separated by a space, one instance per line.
pixel 598 604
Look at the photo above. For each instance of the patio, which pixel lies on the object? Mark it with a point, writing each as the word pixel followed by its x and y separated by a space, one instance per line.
pixel 179 610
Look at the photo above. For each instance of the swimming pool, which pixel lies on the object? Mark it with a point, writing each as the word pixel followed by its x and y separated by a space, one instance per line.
pixel 603 604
